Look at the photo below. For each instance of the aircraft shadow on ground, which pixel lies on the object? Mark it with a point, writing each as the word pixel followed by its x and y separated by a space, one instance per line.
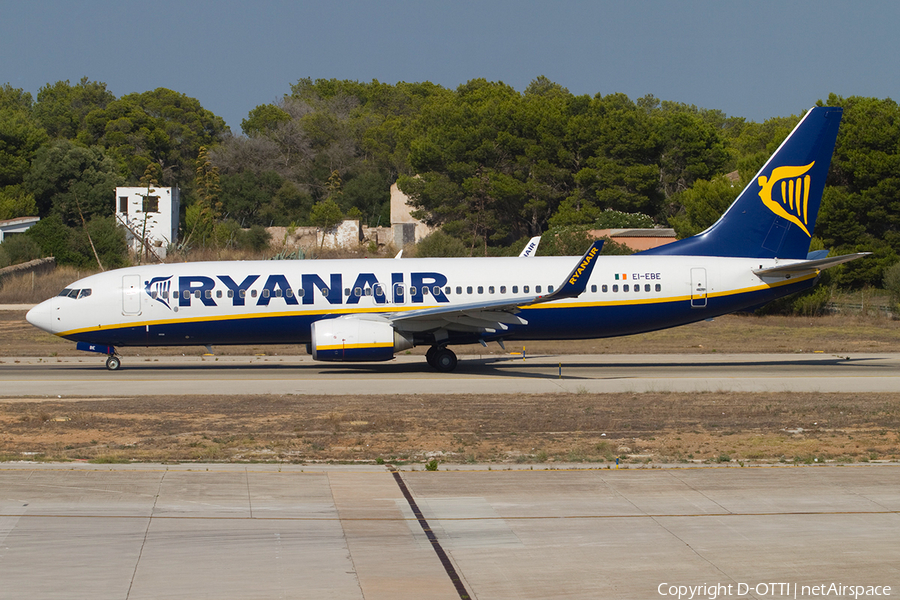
pixel 535 367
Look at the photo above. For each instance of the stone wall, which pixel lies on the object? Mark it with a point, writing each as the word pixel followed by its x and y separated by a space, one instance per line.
pixel 348 234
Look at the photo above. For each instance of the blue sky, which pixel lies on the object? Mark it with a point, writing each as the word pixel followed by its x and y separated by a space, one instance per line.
pixel 755 59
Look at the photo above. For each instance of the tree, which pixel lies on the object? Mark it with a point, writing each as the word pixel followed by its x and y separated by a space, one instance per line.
pixel 65 175
pixel 20 137
pixel 703 204
pixel 162 126
pixel 61 108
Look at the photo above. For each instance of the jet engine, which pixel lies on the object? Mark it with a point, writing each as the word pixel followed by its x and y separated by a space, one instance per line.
pixel 355 338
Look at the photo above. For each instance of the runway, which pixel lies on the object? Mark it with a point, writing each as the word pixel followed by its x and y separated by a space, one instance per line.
pixel 86 376
pixel 267 531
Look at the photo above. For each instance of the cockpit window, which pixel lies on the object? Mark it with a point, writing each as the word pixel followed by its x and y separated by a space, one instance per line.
pixel 70 293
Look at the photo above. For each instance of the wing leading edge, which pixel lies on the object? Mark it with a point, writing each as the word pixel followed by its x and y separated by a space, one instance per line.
pixel 497 314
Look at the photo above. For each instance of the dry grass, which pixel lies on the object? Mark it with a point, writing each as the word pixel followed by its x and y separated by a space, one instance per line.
pixel 589 428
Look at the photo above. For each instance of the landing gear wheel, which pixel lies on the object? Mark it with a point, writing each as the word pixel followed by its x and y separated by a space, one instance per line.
pixel 429 356
pixel 113 363
pixel 444 360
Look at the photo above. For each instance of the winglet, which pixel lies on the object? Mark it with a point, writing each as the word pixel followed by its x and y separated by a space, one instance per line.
pixel 531 247
pixel 576 282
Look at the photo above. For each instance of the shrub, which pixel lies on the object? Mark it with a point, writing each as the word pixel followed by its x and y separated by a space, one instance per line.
pixel 440 244
pixel 17 249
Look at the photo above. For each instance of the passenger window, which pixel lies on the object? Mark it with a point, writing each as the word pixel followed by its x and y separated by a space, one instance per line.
pixel 525 288
pixel 603 288
pixel 197 294
pixel 615 287
pixel 289 293
pixel 537 289
pixel 447 290
pixel 398 291
pixel 379 291
pixel 459 289
pixel 515 289
pixel 469 289
pixel 357 291
pixel 347 292
pixel 265 292
pixel 243 293
pixel 480 289
pixel 301 292
pixel 231 294
pixel 625 288
pixel 594 289
pixel 646 287
pixel 186 294
pixel 278 293
pixel 218 293
pixel 658 288
pixel 502 289
pixel 549 289
pixel 490 289
pixel 325 291
pixel 637 288
pixel 424 290
pixel 412 290
pixel 208 294
pixel 436 291
pixel 253 293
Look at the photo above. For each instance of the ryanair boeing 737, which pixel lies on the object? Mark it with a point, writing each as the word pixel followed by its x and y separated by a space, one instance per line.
pixel 367 310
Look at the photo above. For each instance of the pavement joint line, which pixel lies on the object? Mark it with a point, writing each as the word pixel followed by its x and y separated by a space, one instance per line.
pixel 429 533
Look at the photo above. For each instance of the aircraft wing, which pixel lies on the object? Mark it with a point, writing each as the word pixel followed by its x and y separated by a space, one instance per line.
pixel 807 266
pixel 497 314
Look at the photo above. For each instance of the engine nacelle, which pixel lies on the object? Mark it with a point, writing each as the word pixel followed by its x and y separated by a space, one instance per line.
pixel 356 339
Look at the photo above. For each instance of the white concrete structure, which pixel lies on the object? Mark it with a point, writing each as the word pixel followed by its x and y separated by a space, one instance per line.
pixel 152 217
pixel 17 225
pixel 407 229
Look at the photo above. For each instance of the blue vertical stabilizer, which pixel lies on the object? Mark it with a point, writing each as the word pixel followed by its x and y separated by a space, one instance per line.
pixel 775 215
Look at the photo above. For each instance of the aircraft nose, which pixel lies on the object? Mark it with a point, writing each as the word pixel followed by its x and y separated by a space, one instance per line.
pixel 41 316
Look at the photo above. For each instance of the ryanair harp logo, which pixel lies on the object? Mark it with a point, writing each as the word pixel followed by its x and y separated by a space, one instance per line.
pixel 793 184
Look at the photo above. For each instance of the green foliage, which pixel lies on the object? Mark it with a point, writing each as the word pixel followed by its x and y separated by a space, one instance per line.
pixel 70 245
pixel 892 282
pixel 253 198
pixel 703 204
pixel 61 108
pixel 161 126
pixel 18 248
pixel 574 240
pixel 431 465
pixel 326 214
pixel 255 238
pixel 16 202
pixel 20 139
pixel 263 119
pixel 109 242
pixel 65 176
pixel 439 243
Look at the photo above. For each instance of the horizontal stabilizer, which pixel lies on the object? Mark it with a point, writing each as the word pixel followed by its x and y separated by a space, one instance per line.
pixel 806 266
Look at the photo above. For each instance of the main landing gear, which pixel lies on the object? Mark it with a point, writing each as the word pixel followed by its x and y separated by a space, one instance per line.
pixel 441 358
pixel 113 363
